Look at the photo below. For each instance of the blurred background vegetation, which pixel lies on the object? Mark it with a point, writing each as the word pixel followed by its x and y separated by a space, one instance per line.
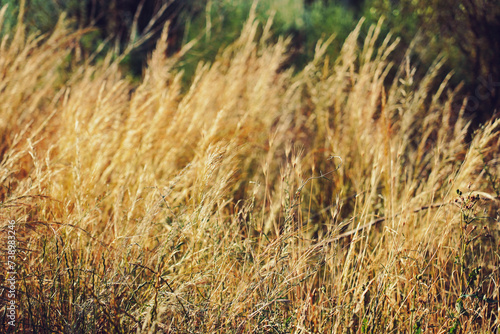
pixel 465 32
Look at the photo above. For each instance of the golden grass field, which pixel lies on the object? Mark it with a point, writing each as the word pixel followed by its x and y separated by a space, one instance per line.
pixel 256 200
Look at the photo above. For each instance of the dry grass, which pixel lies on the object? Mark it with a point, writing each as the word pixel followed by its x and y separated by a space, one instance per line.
pixel 153 209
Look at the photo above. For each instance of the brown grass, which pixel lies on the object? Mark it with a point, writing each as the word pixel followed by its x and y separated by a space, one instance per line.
pixel 151 208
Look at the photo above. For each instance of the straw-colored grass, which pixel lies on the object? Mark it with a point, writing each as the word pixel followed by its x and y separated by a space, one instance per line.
pixel 258 200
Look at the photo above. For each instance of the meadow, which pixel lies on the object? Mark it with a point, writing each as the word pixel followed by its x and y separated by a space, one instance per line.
pixel 350 196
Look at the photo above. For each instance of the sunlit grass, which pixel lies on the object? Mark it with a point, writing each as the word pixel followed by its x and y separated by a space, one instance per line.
pixel 151 208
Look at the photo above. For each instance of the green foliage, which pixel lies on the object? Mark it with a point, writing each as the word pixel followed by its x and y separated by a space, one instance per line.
pixel 10 17
pixel 41 16
pixel 322 21
pixel 219 26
